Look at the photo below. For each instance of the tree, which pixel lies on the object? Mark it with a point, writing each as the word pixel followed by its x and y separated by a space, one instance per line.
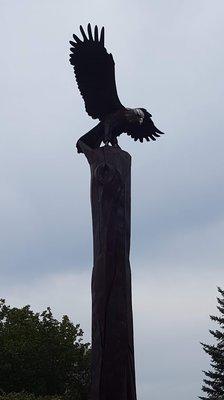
pixel 41 355
pixel 214 381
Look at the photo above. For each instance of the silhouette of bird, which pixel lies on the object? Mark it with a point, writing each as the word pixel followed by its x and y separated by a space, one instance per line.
pixel 94 70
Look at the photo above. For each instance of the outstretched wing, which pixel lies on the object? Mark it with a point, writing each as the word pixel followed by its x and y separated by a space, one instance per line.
pixel 95 74
pixel 147 130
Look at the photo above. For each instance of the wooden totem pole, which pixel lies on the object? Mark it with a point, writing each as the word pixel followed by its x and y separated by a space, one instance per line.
pixel 113 371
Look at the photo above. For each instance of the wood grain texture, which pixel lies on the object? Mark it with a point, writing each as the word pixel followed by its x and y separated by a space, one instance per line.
pixel 113 370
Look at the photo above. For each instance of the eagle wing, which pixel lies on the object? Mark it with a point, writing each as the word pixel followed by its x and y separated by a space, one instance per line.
pixel 95 73
pixel 146 130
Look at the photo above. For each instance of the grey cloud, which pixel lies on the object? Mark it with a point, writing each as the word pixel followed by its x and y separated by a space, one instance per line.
pixel 169 58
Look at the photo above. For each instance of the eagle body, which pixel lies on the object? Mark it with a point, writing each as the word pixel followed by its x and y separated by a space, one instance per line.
pixel 95 75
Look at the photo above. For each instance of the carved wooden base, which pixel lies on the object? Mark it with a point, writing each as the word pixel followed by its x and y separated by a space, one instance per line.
pixel 113 370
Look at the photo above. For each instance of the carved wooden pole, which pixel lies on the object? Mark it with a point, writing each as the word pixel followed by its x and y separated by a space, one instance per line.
pixel 112 369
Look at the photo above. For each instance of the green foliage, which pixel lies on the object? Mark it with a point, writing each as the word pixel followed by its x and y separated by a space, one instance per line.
pixel 79 379
pixel 214 379
pixel 26 396
pixel 41 355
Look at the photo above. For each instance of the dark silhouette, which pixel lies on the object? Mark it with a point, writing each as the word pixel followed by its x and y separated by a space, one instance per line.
pixel 95 75
pixel 214 381
pixel 113 370
pixel 112 365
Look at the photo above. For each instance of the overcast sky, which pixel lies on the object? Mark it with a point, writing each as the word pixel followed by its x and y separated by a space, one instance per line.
pixel 169 59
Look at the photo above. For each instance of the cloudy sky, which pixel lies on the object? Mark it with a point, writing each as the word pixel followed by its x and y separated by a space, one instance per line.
pixel 169 59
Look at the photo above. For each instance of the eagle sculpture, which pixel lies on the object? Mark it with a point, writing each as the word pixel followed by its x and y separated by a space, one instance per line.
pixel 95 75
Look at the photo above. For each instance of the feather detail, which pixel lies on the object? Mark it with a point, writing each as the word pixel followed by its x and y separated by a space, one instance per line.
pixel 95 73
pixel 147 130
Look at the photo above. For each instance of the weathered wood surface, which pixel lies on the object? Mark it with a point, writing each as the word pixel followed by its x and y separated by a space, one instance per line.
pixel 113 370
